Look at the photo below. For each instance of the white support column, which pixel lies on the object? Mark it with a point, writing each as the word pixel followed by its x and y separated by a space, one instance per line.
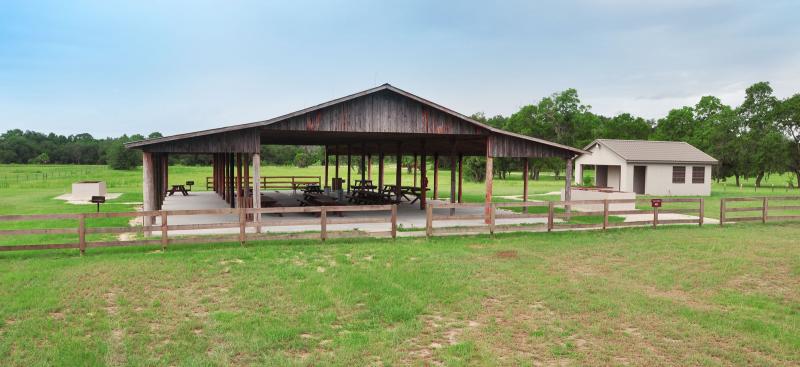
pixel 148 187
pixel 257 188
pixel 568 184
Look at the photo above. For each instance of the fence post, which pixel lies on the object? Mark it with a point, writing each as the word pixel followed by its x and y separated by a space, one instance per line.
pixel 655 217
pixel 394 221
pixel 164 233
pixel 702 212
pixel 429 220
pixel 721 211
pixel 242 223
pixel 550 208
pixel 323 224
pixel 605 214
pixel 492 209
pixel 764 209
pixel 82 233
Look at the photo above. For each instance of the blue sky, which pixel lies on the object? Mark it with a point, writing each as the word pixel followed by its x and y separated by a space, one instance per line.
pixel 112 67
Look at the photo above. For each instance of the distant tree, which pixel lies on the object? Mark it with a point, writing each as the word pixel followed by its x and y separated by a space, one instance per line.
pixel 120 158
pixel 40 159
pixel 789 121
pixel 623 126
pixel 762 136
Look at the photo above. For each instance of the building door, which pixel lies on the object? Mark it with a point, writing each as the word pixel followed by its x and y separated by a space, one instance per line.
pixel 602 176
pixel 639 173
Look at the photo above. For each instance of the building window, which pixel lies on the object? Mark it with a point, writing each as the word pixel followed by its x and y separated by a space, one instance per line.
pixel 698 174
pixel 678 174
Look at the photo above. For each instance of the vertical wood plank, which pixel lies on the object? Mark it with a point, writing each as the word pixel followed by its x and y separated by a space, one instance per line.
pixel 82 233
pixel 164 231
pixel 148 188
pixel 423 178
pixel 764 209
pixel 655 217
pixel 453 182
pixel 323 224
pixel 242 223
pixel 394 220
pixel 429 221
pixel 721 212
pixel 492 211
pixel 349 166
pixel 702 212
pixel 605 214
pixel 550 215
pixel 326 168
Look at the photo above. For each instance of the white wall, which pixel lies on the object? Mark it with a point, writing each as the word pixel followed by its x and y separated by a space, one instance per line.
pixel 603 156
pixel 658 181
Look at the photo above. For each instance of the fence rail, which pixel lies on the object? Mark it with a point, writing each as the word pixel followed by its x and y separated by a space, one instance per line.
pixel 552 214
pixel 277 182
pixel 763 209
pixel 556 216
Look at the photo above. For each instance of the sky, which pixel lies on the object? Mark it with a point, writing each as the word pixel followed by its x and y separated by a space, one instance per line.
pixel 113 67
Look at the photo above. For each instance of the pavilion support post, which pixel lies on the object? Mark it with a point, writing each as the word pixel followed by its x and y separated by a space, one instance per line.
pixel 336 165
pixel 568 185
pixel 487 210
pixel 369 167
pixel 525 184
pixel 231 175
pixel 349 166
pixel 257 188
pixel 398 177
pixel 148 187
pixel 165 162
pixel 239 192
pixel 246 182
pixel 363 165
pixel 452 182
pixel 435 176
pixel 223 174
pixel 423 178
pixel 380 171
pixel 460 178
pixel 414 164
pixel 325 184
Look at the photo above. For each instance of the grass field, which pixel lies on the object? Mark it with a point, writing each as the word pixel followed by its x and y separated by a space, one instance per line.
pixel 671 296
pixel 674 296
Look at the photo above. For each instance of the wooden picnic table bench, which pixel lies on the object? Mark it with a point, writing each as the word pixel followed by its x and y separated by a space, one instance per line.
pixel 179 188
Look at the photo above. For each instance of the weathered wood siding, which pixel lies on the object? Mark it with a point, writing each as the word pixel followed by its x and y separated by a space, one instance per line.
pixel 242 141
pixel 513 147
pixel 380 112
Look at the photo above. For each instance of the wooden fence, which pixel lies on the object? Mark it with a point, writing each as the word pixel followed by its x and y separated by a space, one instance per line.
pixel 164 227
pixel 556 216
pixel 763 209
pixel 553 211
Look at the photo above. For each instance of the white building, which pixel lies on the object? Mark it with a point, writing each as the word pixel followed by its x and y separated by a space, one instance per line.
pixel 648 167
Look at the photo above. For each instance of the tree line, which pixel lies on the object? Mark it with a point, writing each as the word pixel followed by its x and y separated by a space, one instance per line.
pixel 757 138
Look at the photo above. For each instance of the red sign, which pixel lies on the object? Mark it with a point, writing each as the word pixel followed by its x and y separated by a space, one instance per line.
pixel 655 203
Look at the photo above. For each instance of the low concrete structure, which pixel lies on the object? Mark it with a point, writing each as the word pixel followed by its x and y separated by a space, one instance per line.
pixel 599 193
pixel 84 190
pixel 648 167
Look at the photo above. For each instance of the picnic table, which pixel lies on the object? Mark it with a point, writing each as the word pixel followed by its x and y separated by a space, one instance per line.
pixel 314 199
pixel 180 188
pixel 405 192
pixel 312 189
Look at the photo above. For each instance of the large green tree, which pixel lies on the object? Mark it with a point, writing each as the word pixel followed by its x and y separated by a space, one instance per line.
pixel 762 136
pixel 789 121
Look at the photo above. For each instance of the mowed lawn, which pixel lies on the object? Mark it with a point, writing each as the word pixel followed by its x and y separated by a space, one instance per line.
pixel 678 295
pixel 670 296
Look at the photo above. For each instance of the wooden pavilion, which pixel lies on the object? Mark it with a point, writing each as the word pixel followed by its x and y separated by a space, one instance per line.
pixel 381 121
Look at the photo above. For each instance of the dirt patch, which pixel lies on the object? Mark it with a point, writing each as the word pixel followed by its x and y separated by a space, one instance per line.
pixel 507 254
